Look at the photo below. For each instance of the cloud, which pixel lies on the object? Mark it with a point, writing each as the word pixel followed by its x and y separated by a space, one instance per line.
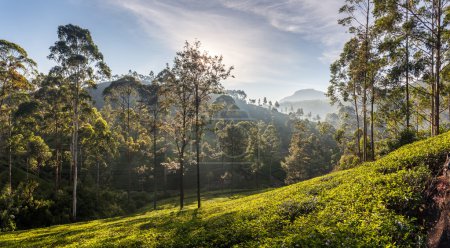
pixel 262 39
pixel 243 44
pixel 314 20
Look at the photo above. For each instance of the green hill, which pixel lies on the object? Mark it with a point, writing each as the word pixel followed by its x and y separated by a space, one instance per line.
pixel 376 204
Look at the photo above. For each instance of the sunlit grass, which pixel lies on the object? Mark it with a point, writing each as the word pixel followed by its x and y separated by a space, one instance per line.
pixel 375 204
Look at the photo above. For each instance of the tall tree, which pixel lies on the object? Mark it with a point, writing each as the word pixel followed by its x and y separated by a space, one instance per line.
pixel 15 66
pixel 205 73
pixel 179 94
pixel 151 99
pixel 123 94
pixel 81 63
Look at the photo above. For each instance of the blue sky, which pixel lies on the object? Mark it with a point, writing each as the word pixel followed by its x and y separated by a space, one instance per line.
pixel 276 47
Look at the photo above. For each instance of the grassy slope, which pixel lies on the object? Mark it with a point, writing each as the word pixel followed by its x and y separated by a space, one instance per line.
pixel 372 205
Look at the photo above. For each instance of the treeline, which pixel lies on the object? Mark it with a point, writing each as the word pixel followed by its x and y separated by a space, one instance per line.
pixel 63 160
pixel 391 78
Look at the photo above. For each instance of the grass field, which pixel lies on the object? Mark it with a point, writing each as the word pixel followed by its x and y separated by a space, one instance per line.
pixel 375 204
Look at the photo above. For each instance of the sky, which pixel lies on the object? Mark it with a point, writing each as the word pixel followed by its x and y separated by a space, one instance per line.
pixel 276 47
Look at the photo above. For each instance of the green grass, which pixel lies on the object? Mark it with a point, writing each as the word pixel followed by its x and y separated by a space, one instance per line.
pixel 375 204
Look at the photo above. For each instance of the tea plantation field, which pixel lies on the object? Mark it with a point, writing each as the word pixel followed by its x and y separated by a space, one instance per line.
pixel 376 204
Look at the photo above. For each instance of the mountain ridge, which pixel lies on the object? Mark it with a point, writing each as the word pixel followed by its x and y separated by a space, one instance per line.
pixel 305 95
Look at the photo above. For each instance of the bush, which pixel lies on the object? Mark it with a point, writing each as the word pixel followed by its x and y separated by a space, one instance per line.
pixel 20 209
pixel 348 162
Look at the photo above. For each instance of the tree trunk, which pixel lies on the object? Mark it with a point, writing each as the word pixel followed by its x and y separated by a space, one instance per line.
pixel 438 67
pixel 365 124
pixel 181 171
pixel 197 143
pixel 407 71
pixel 154 164
pixel 128 150
pixel 366 74
pixel 372 119
pixel 433 84
pixel 10 148
pixel 75 155
pixel 358 138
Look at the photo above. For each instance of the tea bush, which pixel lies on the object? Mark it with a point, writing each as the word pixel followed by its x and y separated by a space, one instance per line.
pixel 373 205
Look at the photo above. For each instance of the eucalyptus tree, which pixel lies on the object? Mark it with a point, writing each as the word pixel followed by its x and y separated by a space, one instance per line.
pixel 123 95
pixel 345 84
pixel 431 36
pixel 151 98
pixel 99 143
pixel 15 67
pixel 360 21
pixel 393 22
pixel 81 63
pixel 179 95
pixel 53 99
pixel 205 73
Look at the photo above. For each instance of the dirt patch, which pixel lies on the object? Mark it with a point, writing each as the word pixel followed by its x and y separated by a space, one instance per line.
pixel 439 195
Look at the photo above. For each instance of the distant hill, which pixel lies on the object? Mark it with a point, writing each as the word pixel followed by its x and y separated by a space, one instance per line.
pixel 310 100
pixel 305 95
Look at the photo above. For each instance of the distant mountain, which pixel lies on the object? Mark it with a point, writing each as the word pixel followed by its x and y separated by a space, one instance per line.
pixel 305 95
pixel 312 102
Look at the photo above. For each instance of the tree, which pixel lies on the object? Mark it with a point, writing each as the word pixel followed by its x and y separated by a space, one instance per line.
pixel 38 152
pixel 205 73
pixel 312 151
pixel 15 66
pixel 359 20
pixel 197 76
pixel 272 143
pixel 123 94
pixel 53 99
pixel 81 63
pixel 178 94
pixel 151 100
pixel 99 144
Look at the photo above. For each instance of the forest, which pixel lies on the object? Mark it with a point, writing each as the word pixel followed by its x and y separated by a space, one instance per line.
pixel 80 143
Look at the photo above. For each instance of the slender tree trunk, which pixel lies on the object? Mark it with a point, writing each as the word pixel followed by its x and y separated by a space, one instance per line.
pixel 10 148
pixel 128 149
pixel 181 171
pixel 372 119
pixel 358 137
pixel 433 84
pixel 365 124
pixel 57 153
pixel 408 114
pixel 366 74
pixel 438 67
pixel 154 164
pixel 71 164
pixel 197 143
pixel 75 154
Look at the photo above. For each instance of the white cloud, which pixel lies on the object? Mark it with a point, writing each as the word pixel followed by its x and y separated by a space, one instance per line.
pixel 250 34
pixel 244 45
pixel 315 20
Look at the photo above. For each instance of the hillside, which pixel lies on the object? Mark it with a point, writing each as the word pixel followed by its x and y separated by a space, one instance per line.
pixel 305 95
pixel 377 204
pixel 310 100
